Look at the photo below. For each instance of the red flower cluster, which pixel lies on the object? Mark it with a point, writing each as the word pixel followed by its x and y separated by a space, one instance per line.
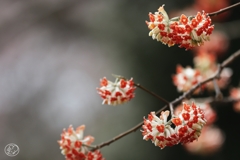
pixel 186 78
pixel 189 123
pixel 187 32
pixel 116 93
pixel 73 144
pixel 159 130
pixel 188 126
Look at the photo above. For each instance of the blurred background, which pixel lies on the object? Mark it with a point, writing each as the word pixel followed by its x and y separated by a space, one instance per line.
pixel 53 53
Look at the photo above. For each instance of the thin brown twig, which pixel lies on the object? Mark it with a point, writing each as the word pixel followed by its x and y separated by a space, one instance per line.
pixel 135 128
pixel 223 9
pixel 212 100
pixel 152 93
pixel 143 88
pixel 174 102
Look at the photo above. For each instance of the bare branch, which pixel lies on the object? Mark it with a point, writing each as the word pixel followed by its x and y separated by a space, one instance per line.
pixel 224 9
pixel 151 93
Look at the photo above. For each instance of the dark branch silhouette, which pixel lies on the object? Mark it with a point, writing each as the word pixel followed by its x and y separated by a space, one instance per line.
pixel 224 9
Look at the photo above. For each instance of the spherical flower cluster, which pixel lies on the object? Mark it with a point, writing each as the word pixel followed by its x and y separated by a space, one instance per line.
pixel 189 123
pixel 118 92
pixel 158 130
pixel 235 94
pixel 211 138
pixel 187 32
pixel 186 78
pixel 72 145
pixel 188 126
pixel 209 114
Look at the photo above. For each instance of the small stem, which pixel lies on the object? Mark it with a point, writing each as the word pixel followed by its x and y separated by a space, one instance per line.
pixel 213 100
pixel 152 93
pixel 230 59
pixel 171 110
pixel 169 122
pixel 224 102
pixel 223 9
pixel 143 88
pixel 89 146
pixel 217 90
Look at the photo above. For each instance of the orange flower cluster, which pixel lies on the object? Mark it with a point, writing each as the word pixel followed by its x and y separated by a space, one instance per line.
pixel 188 125
pixel 187 32
pixel 73 143
pixel 118 92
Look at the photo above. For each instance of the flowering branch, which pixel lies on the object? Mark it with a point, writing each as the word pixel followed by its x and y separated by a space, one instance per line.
pixel 215 76
pixel 174 102
pixel 224 9
pixel 184 126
